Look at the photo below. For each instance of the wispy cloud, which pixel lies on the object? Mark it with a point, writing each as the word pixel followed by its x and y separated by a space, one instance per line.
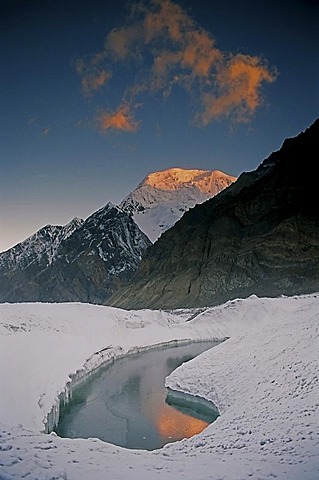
pixel 31 120
pixel 92 78
pixel 167 48
pixel 122 119
pixel 237 94
pixel 91 83
pixel 46 131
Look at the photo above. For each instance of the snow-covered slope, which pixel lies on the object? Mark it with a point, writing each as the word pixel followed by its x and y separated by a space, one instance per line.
pixel 162 197
pixel 42 246
pixel 83 261
pixel 263 379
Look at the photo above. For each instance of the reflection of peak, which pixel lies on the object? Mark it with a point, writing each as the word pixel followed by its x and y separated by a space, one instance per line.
pixel 163 197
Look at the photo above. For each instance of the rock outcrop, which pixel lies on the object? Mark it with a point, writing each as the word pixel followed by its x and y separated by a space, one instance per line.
pixel 81 264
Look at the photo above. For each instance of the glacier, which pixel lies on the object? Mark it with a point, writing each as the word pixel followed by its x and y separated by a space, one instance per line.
pixel 264 381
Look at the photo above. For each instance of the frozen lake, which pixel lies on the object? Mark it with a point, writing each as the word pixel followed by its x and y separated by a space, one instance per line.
pixel 125 403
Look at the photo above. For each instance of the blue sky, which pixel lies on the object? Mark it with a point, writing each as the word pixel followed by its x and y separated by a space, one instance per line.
pixel 95 95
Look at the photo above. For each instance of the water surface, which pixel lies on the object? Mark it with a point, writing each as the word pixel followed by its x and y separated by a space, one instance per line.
pixel 124 403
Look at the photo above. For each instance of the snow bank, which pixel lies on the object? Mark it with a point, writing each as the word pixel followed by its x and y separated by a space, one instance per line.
pixel 263 379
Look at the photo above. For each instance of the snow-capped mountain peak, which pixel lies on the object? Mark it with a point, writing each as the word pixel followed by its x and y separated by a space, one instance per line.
pixel 163 197
pixel 176 178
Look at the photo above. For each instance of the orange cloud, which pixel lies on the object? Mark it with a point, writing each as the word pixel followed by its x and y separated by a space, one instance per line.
pixel 92 77
pixel 239 85
pixel 122 120
pixel 199 54
pixel 92 82
pixel 191 51
pixel 166 19
pixel 119 42
pixel 192 61
pixel 170 49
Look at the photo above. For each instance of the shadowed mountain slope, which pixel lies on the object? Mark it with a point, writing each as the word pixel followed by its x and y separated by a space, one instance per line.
pixel 258 236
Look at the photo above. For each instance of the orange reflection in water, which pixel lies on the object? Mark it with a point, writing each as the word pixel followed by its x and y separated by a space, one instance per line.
pixel 174 424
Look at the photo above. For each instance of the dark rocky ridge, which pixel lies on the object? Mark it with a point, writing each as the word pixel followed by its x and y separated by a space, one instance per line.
pixel 259 236
pixel 86 266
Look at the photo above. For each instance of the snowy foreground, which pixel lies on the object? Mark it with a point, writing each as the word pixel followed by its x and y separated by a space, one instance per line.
pixel 264 380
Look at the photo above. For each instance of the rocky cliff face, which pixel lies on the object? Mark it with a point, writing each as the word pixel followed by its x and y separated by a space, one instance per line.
pixel 83 261
pixel 161 199
pixel 21 264
pixel 40 248
pixel 259 236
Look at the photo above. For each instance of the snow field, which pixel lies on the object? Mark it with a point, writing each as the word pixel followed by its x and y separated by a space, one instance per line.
pixel 263 379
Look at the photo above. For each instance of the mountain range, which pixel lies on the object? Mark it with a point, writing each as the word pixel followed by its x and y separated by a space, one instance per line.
pixel 87 260
pixel 81 262
pixel 216 238
pixel 259 236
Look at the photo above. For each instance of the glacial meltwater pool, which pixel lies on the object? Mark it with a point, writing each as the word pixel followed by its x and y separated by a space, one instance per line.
pixel 125 403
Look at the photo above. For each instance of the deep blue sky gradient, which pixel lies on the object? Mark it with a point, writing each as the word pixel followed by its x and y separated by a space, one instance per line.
pixel 56 164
